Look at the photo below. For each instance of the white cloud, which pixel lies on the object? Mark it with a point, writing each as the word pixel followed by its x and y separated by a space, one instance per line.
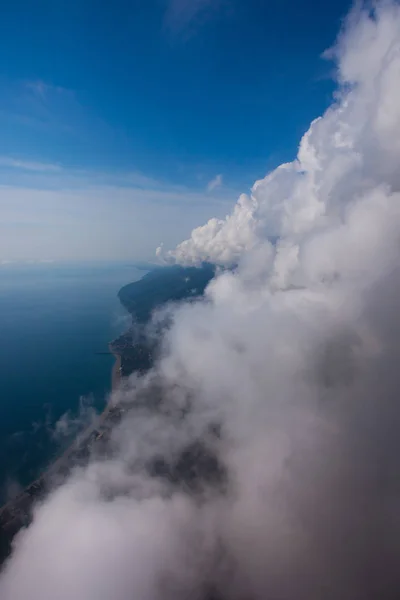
pixel 287 373
pixel 215 183
pixel 27 165
pixel 355 144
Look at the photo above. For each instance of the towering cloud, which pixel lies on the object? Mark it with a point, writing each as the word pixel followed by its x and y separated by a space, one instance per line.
pixel 353 148
pixel 284 384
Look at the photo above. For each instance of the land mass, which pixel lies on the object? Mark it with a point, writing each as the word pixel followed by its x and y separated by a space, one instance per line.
pixel 157 288
pixel 134 352
pixel 162 285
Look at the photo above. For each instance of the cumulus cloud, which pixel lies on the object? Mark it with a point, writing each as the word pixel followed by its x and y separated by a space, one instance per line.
pixel 215 183
pixel 353 146
pixel 259 458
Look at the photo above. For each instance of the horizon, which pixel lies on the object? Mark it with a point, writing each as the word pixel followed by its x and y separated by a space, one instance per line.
pixel 249 446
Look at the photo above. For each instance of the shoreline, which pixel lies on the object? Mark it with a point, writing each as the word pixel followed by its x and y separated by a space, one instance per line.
pixel 22 502
pixel 116 371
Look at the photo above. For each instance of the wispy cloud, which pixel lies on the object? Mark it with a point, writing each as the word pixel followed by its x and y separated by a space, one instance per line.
pixel 182 15
pixel 215 183
pixel 44 90
pixel 62 213
pixel 27 165
pixel 41 105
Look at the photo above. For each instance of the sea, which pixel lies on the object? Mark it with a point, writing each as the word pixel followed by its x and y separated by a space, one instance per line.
pixel 55 321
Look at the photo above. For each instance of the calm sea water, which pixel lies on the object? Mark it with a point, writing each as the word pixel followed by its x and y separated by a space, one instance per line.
pixel 53 320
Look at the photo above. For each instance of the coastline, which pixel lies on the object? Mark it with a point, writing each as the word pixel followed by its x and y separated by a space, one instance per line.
pixel 173 284
pixel 116 371
pixel 14 512
pixel 17 511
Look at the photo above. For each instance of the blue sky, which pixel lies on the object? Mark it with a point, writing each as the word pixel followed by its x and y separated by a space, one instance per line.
pixel 127 123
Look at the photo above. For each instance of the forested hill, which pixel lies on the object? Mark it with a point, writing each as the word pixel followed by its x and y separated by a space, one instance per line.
pixel 164 284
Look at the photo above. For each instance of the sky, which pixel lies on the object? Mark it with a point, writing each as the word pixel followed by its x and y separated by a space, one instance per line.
pixel 125 124
pixel 259 456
